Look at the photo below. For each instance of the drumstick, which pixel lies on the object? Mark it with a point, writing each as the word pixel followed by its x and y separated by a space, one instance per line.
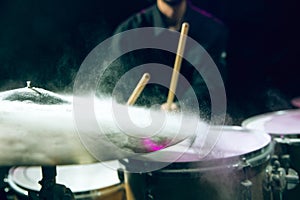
pixel 177 64
pixel 138 89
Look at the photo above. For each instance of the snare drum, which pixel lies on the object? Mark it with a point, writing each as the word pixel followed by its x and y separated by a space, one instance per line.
pixel 234 169
pixel 284 127
pixel 93 181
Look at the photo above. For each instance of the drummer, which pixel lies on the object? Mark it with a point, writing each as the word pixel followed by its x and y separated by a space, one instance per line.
pixel 207 30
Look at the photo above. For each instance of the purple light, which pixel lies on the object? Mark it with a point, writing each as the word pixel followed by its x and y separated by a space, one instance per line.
pixel 153 146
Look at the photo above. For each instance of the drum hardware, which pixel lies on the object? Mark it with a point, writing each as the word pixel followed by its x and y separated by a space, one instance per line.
pixel 32 88
pixel 275 181
pixel 288 141
pixel 50 189
pixel 285 162
pixel 292 177
pixel 28 84
pixel 120 172
pixel 149 181
pixel 279 179
pixel 246 189
pixel 246 185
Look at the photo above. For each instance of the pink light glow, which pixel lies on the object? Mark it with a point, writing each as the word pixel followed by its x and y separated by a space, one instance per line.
pixel 153 146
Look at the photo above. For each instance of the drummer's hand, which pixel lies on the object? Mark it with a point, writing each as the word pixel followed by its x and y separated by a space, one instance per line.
pixel 173 107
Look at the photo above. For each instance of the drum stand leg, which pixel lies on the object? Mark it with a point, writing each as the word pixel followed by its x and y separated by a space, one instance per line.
pixel 50 189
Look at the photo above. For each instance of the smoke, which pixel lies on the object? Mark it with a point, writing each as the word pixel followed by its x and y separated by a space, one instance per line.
pixel 119 132
pixel 276 100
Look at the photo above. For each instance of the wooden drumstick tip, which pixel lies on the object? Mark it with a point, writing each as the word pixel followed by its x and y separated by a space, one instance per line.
pixel 185 25
pixel 146 76
pixel 138 89
pixel 184 28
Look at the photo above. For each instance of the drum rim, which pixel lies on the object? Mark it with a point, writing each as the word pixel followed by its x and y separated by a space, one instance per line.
pixel 230 162
pixel 18 183
pixel 15 186
pixel 249 120
pixel 196 170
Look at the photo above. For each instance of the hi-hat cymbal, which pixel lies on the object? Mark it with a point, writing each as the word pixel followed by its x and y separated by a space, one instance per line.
pixel 41 133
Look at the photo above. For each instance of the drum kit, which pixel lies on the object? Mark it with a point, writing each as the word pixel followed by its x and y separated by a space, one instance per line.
pixel 258 160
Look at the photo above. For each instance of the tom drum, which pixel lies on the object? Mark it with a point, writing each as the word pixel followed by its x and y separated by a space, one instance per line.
pixel 284 128
pixel 92 181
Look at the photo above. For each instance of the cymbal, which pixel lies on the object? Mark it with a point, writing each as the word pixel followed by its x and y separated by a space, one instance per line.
pixel 35 132
pixel 33 94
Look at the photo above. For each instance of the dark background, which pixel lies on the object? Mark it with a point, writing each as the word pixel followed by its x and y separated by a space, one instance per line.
pixel 46 41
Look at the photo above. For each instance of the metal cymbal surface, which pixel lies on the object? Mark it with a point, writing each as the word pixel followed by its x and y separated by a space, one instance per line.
pixel 34 95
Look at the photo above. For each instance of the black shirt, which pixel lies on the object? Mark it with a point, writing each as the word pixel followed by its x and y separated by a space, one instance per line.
pixel 208 31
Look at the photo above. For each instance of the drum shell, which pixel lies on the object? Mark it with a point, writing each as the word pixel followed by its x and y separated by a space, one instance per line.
pixel 216 180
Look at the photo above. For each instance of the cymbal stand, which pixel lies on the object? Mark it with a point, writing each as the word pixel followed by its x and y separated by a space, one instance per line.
pixel 50 189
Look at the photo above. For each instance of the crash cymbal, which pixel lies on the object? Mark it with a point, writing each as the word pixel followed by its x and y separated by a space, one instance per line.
pixel 33 94
pixel 37 133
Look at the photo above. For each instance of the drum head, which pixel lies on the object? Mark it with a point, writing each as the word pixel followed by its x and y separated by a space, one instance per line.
pixel 233 141
pixel 79 178
pixel 277 123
